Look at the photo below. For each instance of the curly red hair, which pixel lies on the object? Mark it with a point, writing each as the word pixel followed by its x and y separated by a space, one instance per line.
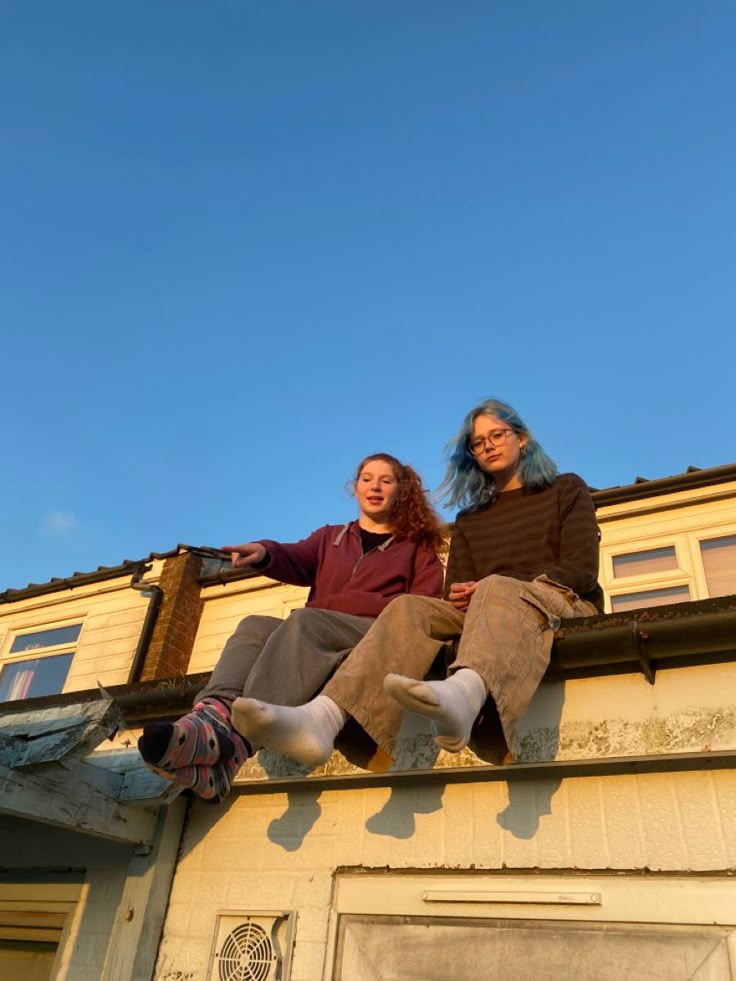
pixel 413 517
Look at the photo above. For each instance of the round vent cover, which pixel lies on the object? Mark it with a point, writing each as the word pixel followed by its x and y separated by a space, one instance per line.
pixel 247 954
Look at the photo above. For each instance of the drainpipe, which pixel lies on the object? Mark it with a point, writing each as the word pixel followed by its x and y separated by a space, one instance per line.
pixel 156 595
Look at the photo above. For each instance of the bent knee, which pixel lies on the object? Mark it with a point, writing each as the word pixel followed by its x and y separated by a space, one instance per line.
pixel 500 585
pixel 306 618
pixel 254 625
pixel 399 605
pixel 409 607
pixel 305 614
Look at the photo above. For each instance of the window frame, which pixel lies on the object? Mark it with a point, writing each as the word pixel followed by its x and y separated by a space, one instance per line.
pixel 37 653
pixel 625 585
pixel 690 569
pixel 613 898
pixel 707 535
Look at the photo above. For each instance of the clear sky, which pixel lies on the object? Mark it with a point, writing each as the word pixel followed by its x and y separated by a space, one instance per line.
pixel 244 244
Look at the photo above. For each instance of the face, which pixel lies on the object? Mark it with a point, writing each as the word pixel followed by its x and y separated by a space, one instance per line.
pixel 376 490
pixel 501 461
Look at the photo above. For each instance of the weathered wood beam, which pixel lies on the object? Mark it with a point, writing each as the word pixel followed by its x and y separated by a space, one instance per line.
pixel 134 940
pixel 80 797
pixel 138 783
pixel 51 735
pixel 44 777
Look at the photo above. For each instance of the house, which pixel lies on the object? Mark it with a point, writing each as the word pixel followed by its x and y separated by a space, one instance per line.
pixel 610 845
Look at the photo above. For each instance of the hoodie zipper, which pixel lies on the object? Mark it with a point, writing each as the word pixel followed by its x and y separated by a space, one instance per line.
pixel 383 546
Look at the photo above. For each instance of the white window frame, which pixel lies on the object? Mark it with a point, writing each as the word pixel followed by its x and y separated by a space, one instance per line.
pixel 706 535
pixel 624 585
pixel 666 899
pixel 690 569
pixel 34 654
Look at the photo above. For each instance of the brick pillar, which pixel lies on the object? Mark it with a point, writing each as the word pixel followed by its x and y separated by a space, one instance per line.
pixel 178 618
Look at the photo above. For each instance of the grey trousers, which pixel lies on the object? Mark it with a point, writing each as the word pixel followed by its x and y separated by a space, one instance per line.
pixel 506 637
pixel 284 662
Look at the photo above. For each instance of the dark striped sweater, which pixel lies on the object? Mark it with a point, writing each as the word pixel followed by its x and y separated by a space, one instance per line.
pixel 524 534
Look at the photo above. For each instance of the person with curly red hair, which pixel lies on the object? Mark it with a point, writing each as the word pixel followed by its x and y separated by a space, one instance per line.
pixel 353 572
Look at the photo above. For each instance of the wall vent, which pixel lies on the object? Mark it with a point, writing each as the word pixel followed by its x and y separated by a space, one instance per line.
pixel 250 946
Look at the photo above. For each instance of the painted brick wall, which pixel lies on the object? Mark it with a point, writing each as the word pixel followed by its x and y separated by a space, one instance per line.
pixel 270 851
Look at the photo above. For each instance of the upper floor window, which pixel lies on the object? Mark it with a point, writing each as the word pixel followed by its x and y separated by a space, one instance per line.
pixel 719 564
pixel 689 567
pixel 649 597
pixel 44 672
pixel 644 563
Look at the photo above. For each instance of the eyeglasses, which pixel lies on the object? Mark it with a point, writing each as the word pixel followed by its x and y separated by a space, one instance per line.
pixel 496 438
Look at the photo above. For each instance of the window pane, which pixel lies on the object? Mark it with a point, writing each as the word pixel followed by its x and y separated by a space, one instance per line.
pixel 650 597
pixel 46 638
pixel 31 679
pixel 719 562
pixel 30 960
pixel 645 563
pixel 380 947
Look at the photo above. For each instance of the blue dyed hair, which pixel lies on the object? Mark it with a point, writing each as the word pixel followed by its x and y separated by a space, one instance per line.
pixel 466 485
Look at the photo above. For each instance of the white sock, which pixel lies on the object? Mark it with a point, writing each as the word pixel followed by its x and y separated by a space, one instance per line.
pixel 306 733
pixel 452 705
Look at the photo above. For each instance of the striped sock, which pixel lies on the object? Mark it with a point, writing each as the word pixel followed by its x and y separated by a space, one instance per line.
pixel 202 737
pixel 210 783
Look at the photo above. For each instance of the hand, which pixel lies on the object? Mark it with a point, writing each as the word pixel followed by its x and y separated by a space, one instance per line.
pixel 460 593
pixel 245 555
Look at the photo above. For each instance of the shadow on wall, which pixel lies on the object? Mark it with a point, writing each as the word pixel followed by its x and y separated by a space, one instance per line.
pixel 537 741
pixel 289 830
pixel 396 817
pixel 301 814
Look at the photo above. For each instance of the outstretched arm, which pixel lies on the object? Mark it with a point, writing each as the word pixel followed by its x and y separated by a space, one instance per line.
pixel 294 562
pixel 246 555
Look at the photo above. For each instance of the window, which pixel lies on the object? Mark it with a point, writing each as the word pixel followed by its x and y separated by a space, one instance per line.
pixel 46 638
pixel 45 672
pixel 654 576
pixel 649 597
pixel 644 563
pixel 372 948
pixel 33 920
pixel 548 925
pixel 719 564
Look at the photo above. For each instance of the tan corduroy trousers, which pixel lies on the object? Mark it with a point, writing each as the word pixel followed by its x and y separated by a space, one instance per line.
pixel 505 636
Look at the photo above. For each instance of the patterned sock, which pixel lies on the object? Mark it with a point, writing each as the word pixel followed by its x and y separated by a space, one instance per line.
pixel 203 736
pixel 211 783
pixel 306 733
pixel 452 705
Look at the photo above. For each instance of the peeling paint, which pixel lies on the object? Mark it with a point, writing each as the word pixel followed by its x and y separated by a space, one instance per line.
pixel 699 730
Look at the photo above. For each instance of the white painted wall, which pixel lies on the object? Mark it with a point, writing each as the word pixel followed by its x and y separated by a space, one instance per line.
pixel 270 851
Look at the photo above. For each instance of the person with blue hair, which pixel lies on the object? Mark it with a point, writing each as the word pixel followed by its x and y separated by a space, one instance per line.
pixel 524 556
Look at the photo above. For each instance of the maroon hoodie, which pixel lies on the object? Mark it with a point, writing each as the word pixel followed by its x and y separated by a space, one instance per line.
pixel 340 577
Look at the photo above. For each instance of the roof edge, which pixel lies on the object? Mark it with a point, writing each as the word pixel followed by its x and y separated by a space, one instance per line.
pixel 642 489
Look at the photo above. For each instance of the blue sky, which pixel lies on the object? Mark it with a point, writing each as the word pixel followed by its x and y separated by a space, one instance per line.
pixel 244 244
